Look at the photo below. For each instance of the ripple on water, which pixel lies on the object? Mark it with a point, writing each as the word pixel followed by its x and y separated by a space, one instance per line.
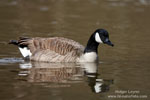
pixel 10 60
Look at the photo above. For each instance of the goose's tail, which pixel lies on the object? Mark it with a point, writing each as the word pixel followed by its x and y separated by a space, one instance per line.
pixel 23 46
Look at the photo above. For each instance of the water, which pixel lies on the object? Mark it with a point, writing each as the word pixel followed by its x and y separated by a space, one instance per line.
pixel 123 70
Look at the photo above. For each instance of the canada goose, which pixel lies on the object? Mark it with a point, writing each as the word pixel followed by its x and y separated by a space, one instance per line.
pixel 59 49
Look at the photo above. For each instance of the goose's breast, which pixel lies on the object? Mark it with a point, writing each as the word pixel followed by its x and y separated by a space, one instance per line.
pixel 89 57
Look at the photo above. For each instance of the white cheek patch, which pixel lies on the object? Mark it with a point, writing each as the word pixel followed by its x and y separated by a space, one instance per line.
pixel 25 52
pixel 97 38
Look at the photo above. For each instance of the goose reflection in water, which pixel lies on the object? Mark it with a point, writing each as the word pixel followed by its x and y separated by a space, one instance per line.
pixel 97 84
pixel 39 72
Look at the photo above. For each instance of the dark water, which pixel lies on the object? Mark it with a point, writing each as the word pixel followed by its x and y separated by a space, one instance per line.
pixel 123 71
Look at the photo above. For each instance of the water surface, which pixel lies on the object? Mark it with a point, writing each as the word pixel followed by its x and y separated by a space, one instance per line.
pixel 125 67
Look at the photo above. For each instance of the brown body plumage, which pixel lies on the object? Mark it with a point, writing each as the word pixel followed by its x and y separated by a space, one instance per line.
pixel 54 49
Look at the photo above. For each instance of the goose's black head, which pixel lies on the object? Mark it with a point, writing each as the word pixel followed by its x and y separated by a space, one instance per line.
pixel 102 36
pixel 98 37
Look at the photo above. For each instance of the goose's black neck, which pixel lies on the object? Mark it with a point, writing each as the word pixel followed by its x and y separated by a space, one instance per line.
pixel 92 45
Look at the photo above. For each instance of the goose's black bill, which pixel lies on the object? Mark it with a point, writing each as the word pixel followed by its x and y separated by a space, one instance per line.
pixel 109 43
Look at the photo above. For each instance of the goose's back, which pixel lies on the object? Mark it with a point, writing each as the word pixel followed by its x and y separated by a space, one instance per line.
pixel 54 49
